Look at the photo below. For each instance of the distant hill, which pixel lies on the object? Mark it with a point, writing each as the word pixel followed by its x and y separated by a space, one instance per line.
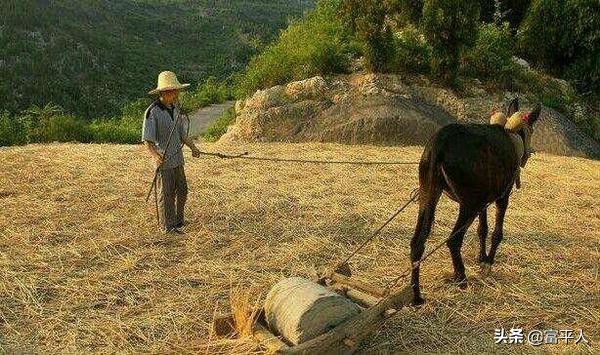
pixel 93 56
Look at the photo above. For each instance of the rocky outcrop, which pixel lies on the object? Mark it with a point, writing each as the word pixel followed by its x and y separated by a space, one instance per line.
pixel 384 109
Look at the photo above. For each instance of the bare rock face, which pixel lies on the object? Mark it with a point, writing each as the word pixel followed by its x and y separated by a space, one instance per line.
pixel 306 89
pixel 384 109
pixel 265 99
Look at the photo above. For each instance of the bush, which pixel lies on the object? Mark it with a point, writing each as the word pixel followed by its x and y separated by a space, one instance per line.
pixel 114 131
pixel 491 56
pixel 406 12
pixel 412 52
pixel 219 127
pixel 66 128
pixel 13 130
pixel 132 115
pixel 543 88
pixel 450 26
pixel 498 11
pixel 212 92
pixel 367 19
pixel 314 45
pixel 562 36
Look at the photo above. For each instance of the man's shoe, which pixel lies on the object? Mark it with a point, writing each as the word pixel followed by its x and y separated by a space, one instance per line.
pixel 180 225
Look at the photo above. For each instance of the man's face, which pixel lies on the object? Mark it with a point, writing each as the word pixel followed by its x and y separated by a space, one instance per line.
pixel 169 96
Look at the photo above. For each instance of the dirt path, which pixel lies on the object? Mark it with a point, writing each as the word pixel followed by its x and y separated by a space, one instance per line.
pixel 200 120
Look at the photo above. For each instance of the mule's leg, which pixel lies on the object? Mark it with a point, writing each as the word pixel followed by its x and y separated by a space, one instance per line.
pixel 427 204
pixel 482 232
pixel 498 233
pixel 466 216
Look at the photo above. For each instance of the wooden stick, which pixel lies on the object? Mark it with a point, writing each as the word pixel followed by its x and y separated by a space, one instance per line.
pixel 342 279
pixel 362 298
pixel 268 339
pixel 346 337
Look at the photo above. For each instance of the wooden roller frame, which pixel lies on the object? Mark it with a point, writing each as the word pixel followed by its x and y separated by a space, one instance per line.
pixel 345 338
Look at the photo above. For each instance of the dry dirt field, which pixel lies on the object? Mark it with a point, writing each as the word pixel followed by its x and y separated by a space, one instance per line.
pixel 83 268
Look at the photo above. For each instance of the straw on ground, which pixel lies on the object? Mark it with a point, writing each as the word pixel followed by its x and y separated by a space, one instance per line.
pixel 83 269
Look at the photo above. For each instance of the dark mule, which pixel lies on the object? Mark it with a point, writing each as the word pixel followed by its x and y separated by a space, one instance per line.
pixel 475 165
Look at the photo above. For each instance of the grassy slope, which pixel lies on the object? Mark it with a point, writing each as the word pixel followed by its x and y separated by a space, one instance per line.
pixel 92 56
pixel 82 267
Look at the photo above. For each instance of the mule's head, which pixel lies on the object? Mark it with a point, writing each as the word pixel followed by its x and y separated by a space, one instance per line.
pixel 522 123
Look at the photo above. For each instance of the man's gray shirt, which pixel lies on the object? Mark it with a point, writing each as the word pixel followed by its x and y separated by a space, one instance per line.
pixel 157 126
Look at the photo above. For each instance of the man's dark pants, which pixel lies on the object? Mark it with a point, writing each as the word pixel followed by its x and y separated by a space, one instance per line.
pixel 172 194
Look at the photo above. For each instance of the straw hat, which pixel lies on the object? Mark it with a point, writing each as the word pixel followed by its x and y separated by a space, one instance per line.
pixel 167 80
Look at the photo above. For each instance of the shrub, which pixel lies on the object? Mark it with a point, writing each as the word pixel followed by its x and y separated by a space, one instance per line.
pixel 543 88
pixel 412 52
pixel 562 36
pixel 212 92
pixel 219 127
pixel 114 131
pixel 367 19
pixel 63 128
pixel 406 12
pixel 491 56
pixel 13 130
pixel 317 44
pixel 498 11
pixel 450 26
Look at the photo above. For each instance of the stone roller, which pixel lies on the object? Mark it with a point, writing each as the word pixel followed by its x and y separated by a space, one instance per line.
pixel 300 310
pixel 304 317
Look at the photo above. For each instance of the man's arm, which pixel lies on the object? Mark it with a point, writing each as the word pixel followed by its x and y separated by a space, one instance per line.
pixel 190 143
pixel 158 159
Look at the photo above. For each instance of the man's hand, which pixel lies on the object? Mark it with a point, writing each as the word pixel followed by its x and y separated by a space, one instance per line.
pixel 158 159
pixel 195 152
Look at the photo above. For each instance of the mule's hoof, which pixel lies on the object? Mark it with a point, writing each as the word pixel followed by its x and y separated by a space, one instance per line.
pixel 460 281
pixel 485 268
pixel 418 301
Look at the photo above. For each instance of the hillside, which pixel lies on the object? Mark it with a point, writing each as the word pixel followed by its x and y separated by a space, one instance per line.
pixel 91 56
pixel 83 269
pixel 387 110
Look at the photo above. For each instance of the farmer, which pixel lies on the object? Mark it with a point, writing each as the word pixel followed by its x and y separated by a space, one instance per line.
pixel 164 133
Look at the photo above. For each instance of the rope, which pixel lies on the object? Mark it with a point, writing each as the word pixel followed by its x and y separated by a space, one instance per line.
pixel 310 161
pixel 418 263
pixel 154 182
pixel 413 196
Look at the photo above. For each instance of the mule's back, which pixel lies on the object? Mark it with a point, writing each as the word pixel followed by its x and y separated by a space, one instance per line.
pixel 477 162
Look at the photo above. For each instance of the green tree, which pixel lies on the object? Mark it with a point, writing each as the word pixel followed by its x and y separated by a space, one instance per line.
pixel 317 44
pixel 450 26
pixel 368 19
pixel 499 11
pixel 491 56
pixel 564 38
pixel 406 12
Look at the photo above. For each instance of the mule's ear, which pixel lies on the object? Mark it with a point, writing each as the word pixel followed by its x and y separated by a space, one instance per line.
pixel 512 107
pixel 534 115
